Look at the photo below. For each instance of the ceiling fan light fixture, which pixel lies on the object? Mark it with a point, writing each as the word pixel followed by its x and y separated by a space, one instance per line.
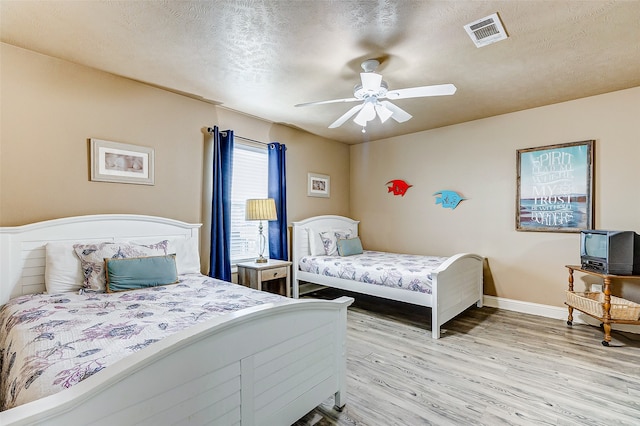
pixel 360 121
pixel 383 112
pixel 367 113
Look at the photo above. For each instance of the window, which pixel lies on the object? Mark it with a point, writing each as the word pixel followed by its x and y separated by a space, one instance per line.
pixel 250 176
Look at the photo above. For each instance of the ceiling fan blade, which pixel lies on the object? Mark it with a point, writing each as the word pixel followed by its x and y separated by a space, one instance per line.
pixel 417 92
pixel 332 101
pixel 398 113
pixel 370 81
pixel 347 115
pixel 367 113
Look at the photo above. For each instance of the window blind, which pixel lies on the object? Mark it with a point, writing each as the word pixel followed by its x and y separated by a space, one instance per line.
pixel 250 175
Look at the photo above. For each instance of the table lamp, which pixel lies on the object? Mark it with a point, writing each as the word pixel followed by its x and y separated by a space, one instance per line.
pixel 261 209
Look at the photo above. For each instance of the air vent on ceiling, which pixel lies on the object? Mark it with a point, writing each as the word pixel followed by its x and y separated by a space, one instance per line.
pixel 486 30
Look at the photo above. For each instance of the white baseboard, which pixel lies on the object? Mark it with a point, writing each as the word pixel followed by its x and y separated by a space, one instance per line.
pixel 555 312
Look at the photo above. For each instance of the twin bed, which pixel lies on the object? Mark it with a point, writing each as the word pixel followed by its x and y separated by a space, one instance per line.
pixel 197 351
pixel 448 285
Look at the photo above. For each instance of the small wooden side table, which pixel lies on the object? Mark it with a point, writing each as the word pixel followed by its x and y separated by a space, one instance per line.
pixel 252 274
pixel 602 311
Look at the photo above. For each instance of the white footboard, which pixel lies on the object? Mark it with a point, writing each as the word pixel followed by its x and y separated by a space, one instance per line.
pixel 267 365
pixel 457 284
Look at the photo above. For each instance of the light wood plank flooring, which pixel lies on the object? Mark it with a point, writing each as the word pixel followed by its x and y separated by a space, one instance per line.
pixel 491 367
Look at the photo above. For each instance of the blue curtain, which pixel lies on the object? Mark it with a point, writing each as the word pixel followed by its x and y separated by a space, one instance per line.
pixel 278 191
pixel 220 260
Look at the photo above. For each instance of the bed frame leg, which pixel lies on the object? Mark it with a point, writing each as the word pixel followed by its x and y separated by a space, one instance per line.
pixel 296 289
pixel 435 332
pixel 339 403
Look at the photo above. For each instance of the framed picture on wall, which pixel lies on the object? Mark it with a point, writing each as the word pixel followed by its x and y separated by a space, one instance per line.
pixel 122 163
pixel 318 185
pixel 555 188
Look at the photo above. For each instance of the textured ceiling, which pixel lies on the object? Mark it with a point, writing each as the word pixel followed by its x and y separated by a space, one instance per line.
pixel 263 57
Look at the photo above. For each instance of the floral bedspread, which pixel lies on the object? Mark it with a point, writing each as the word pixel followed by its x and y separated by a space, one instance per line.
pixel 49 342
pixel 406 271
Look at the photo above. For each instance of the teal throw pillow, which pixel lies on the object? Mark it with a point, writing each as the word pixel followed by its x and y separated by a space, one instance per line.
pixel 140 272
pixel 349 247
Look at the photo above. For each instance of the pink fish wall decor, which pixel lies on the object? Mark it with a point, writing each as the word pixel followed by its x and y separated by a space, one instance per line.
pixel 398 187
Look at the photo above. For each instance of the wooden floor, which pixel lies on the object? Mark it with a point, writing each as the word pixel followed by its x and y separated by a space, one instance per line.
pixel 490 367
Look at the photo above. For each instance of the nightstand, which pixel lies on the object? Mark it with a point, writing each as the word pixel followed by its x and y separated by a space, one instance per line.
pixel 254 275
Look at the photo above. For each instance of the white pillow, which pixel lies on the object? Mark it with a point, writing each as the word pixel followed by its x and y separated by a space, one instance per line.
pixel 330 240
pixel 62 268
pixel 186 250
pixel 187 255
pixel 315 243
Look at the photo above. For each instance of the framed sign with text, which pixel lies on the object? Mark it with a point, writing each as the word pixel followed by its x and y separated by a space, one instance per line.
pixel 555 188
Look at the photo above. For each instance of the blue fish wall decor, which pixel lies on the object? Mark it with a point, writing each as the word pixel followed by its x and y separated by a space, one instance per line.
pixel 448 199
pixel 398 187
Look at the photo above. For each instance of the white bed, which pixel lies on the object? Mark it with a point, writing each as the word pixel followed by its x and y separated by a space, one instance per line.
pixel 456 284
pixel 217 372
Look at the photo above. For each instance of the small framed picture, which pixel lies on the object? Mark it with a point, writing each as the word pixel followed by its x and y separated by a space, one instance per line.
pixel 122 163
pixel 319 185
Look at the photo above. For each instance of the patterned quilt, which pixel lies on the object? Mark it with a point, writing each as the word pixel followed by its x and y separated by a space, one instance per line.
pixel 406 271
pixel 49 342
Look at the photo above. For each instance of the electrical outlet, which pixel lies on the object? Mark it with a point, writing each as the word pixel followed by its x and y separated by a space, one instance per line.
pixel 596 288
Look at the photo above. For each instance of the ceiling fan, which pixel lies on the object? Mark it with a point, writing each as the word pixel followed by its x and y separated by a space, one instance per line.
pixel 373 90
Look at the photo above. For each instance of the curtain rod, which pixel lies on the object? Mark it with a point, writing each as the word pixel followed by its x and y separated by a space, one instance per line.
pixel 210 131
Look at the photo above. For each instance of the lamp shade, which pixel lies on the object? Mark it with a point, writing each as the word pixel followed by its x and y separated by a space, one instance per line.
pixel 261 209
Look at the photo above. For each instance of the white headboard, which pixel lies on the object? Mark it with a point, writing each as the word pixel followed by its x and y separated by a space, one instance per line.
pixel 317 223
pixel 22 248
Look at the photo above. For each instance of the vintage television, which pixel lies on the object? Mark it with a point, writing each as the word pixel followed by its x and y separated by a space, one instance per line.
pixel 610 252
